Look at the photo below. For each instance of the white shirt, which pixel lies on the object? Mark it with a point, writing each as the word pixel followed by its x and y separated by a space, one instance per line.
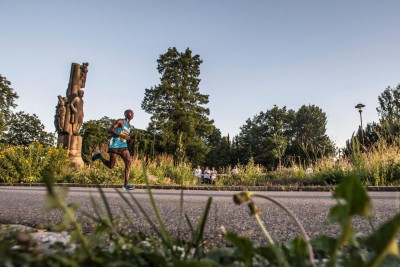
pixel 207 174
pixel 197 172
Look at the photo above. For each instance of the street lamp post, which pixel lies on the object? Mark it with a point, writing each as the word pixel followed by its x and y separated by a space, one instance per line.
pixel 360 107
pixel 154 136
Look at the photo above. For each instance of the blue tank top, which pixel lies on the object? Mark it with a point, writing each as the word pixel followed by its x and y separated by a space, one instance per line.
pixel 119 142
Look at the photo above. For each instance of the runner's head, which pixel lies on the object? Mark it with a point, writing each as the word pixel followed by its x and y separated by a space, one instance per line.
pixel 128 114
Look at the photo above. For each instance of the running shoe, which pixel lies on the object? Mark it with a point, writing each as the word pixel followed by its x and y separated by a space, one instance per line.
pixel 96 155
pixel 128 187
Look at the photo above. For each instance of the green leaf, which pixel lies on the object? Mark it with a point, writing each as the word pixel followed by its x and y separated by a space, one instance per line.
pixel 222 255
pixel 352 200
pixel 244 245
pixel 324 246
pixel 154 259
pixel 268 253
pixel 384 241
pixel 297 249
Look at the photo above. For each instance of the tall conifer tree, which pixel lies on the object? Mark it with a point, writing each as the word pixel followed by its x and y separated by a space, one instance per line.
pixel 177 107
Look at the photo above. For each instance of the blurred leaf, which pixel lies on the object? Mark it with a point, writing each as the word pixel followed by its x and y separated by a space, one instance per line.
pixel 198 233
pixel 384 241
pixel 324 246
pixel 352 200
pixel 154 259
pixel 353 256
pixel 55 198
pixel 105 202
pixel 268 253
pixel 297 249
pixel 222 255
pixel 244 245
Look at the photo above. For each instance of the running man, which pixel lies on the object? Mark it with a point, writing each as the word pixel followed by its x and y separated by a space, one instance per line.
pixel 120 131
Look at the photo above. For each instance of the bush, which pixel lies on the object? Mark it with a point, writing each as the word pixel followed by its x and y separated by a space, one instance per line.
pixel 378 165
pixel 27 164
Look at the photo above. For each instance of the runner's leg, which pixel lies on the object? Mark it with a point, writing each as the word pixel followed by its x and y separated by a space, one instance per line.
pixel 127 160
pixel 109 163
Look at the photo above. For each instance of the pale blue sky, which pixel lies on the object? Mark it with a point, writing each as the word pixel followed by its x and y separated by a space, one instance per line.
pixel 333 54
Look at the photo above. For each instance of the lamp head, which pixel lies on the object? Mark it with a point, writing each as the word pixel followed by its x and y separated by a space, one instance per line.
pixel 360 107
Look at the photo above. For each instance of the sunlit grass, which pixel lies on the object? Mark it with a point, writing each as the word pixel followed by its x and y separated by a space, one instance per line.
pixel 378 165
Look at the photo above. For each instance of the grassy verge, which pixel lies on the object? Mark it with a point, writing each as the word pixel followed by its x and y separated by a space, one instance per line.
pixel 377 166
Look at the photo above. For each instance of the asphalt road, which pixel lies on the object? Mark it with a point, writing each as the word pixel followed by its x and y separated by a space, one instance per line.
pixel 24 205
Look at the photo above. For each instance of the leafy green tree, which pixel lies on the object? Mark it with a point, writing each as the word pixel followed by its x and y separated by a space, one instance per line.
pixel 178 108
pixel 280 134
pixel 219 154
pixel 389 104
pixel 94 136
pixel 236 156
pixel 366 138
pixel 23 129
pixel 247 141
pixel 389 113
pixel 279 144
pixel 277 132
pixel 388 127
pixel 7 101
pixel 265 137
pixel 310 139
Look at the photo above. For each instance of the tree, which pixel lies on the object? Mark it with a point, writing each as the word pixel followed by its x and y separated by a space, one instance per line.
pixel 389 104
pixel 370 136
pixel 280 134
pixel 389 113
pixel 388 127
pixel 265 137
pixel 310 139
pixel 94 135
pixel 235 148
pixel 7 101
pixel 178 108
pixel 277 132
pixel 23 129
pixel 219 153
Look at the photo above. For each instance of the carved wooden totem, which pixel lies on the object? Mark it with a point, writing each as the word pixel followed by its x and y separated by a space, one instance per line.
pixel 69 114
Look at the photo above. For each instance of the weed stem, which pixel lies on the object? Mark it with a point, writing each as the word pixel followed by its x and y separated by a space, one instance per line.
pixel 298 223
pixel 261 224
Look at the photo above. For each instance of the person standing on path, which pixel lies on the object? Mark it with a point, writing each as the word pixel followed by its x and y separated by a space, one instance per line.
pixel 207 175
pixel 213 175
pixel 120 131
pixel 197 174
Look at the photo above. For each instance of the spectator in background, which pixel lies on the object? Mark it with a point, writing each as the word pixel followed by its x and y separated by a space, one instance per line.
pixel 207 175
pixel 309 170
pixel 213 175
pixel 198 173
pixel 235 170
